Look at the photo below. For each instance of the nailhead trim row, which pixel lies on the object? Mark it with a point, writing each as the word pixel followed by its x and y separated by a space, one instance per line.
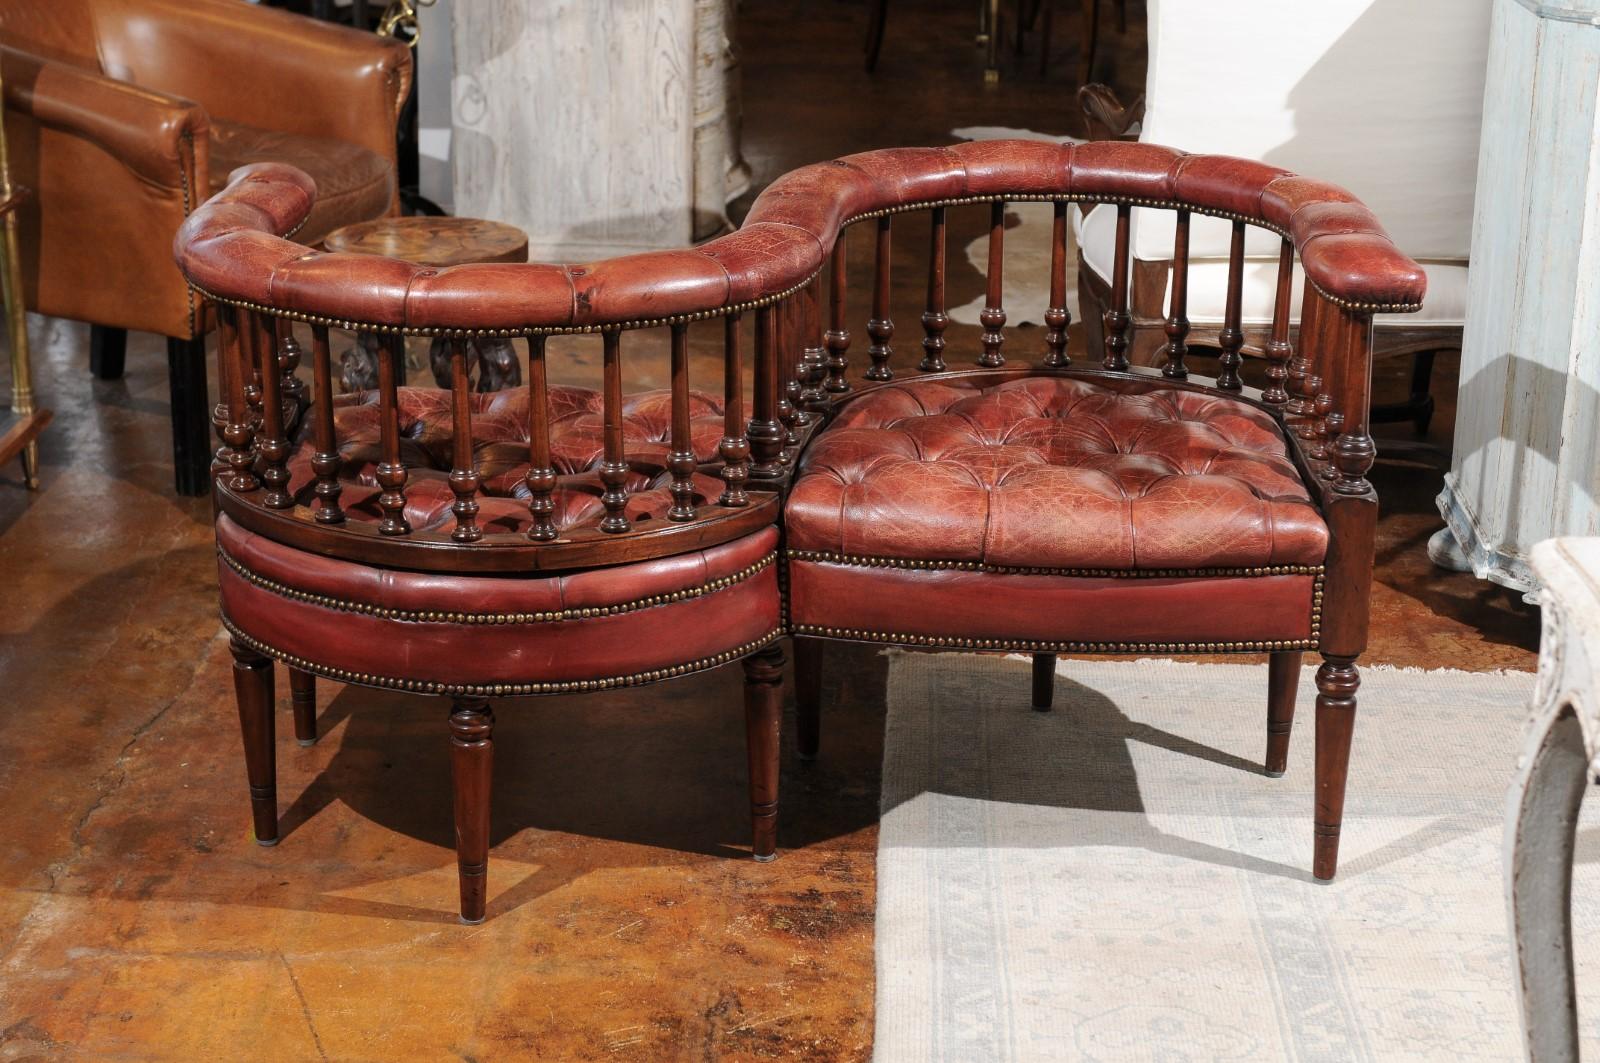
pixel 831 558
pixel 1026 645
pixel 965 643
pixel 503 333
pixel 433 617
pixel 724 311
pixel 501 690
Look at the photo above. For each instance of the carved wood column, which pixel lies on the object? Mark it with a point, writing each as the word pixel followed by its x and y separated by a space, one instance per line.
pixel 1523 466
pixel 597 128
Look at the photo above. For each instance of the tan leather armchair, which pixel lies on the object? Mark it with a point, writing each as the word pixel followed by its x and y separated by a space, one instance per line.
pixel 125 115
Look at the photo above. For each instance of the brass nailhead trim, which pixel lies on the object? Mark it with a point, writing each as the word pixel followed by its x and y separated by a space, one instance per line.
pixel 433 617
pixel 831 558
pixel 504 333
pixel 1138 201
pixel 1030 645
pixel 1027 645
pixel 502 690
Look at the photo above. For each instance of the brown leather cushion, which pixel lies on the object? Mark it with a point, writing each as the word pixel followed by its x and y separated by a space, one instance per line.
pixel 1054 472
pixel 353 184
pixel 521 634
pixel 500 455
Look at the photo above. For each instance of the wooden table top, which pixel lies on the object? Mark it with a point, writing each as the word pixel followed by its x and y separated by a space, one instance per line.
pixel 430 241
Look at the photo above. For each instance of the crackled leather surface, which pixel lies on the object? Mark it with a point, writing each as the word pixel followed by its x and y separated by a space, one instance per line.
pixel 500 455
pixel 721 606
pixel 788 233
pixel 1054 472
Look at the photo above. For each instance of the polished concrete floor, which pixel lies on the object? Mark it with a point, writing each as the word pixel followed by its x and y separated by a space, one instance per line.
pixel 139 921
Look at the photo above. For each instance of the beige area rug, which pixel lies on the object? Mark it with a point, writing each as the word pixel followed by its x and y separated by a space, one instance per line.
pixel 1116 879
pixel 1025 278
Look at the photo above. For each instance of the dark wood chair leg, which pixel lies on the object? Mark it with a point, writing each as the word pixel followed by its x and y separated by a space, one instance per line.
pixel 191 415
pixel 252 686
pixel 877 18
pixel 471 763
pixel 1044 681
pixel 991 61
pixel 1337 683
pixel 303 696
pixel 1422 391
pixel 108 352
pixel 763 720
pixel 1283 679
pixel 808 697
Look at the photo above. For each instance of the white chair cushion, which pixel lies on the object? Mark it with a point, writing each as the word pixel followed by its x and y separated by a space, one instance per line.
pixel 1384 97
pixel 1445 304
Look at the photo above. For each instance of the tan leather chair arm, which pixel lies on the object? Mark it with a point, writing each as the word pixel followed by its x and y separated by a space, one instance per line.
pixel 262 67
pixel 161 138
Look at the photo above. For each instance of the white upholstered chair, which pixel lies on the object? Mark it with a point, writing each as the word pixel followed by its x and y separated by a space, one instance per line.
pixel 1383 97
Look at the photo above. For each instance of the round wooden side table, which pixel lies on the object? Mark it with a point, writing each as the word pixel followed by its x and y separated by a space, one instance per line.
pixel 434 241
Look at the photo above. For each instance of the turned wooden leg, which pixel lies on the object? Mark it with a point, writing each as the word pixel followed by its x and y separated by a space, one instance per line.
pixel 1283 679
pixel 191 415
pixel 108 352
pixel 991 63
pixel 1044 681
pixel 303 696
pixel 808 696
pixel 763 718
pixel 1337 683
pixel 471 760
pixel 252 686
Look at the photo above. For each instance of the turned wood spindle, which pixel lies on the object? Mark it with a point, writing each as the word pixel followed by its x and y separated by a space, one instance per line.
pixel 934 319
pixel 1278 350
pixel 734 449
pixel 1116 317
pixel 325 461
pixel 239 434
pixel 680 460
pixel 813 399
pixel 289 355
pixel 220 460
pixel 1177 326
pixel 463 473
pixel 272 446
pixel 1347 336
pixel 541 476
pixel 1231 336
pixel 1321 431
pixel 785 321
pixel 390 474
pixel 879 327
pixel 993 315
pixel 1057 317
pixel 837 338
pixel 764 431
pixel 614 466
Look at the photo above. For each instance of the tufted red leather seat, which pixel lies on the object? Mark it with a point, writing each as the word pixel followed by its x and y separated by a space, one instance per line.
pixel 1135 489
pixel 500 455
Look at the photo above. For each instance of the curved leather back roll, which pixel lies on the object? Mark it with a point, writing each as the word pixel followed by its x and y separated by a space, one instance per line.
pixel 234 247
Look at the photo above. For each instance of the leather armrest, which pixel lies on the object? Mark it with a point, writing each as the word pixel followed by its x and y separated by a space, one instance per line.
pixel 159 137
pixel 263 67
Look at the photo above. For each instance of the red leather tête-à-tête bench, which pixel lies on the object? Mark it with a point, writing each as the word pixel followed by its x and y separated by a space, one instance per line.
pixel 553 539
